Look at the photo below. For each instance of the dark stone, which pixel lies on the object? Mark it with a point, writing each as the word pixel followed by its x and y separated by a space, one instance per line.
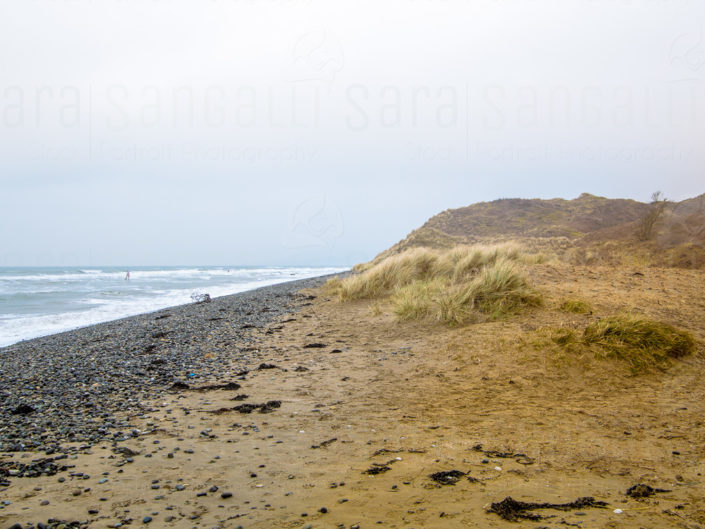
pixel 270 406
pixel 23 409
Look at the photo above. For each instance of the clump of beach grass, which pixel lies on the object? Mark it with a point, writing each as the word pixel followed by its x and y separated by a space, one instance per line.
pixel 415 300
pixel 641 342
pixel 576 306
pixel 332 286
pixel 465 283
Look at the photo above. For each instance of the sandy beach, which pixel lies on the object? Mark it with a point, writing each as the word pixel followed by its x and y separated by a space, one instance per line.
pixel 305 412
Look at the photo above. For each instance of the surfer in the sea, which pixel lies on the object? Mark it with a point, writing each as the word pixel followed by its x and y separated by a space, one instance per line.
pixel 127 276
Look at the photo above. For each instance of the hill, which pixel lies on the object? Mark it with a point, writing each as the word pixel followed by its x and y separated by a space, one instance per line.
pixel 587 229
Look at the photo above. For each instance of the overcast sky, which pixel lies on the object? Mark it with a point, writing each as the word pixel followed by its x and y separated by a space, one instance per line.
pixel 316 132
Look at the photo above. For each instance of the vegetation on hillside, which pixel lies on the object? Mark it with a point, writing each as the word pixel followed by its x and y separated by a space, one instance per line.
pixel 645 230
pixel 587 230
pixel 463 284
pixel 640 342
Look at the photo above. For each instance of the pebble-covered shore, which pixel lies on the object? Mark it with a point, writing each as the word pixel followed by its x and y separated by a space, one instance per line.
pixel 77 386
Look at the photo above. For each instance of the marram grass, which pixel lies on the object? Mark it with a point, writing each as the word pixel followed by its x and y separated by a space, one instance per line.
pixel 576 306
pixel 639 341
pixel 463 284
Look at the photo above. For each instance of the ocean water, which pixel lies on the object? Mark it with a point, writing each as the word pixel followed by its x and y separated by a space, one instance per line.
pixel 40 301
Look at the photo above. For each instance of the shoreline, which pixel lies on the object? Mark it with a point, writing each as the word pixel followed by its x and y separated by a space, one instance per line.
pixel 130 314
pixel 339 415
pixel 64 382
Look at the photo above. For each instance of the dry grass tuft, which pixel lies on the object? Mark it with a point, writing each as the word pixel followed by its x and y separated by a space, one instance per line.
pixel 641 342
pixel 332 286
pixel 463 284
pixel 576 306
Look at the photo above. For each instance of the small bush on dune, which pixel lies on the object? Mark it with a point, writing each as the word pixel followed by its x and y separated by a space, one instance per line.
pixel 639 341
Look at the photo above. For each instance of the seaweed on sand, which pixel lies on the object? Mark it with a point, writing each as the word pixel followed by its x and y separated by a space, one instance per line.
pixel 513 510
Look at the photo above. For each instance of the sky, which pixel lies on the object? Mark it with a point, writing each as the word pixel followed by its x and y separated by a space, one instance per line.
pixel 307 132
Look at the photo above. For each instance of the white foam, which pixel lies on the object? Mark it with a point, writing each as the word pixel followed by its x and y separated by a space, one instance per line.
pixel 17 327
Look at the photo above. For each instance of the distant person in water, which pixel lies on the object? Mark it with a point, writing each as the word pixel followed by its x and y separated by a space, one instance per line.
pixel 127 276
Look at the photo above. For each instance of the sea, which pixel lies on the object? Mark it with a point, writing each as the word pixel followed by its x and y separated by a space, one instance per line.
pixel 41 301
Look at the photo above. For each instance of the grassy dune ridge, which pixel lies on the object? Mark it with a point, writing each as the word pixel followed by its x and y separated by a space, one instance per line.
pixel 474 284
pixel 455 286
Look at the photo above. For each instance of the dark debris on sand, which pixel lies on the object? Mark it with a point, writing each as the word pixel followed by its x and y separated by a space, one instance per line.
pixel 76 386
pixel 447 477
pixel 641 490
pixel 514 511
